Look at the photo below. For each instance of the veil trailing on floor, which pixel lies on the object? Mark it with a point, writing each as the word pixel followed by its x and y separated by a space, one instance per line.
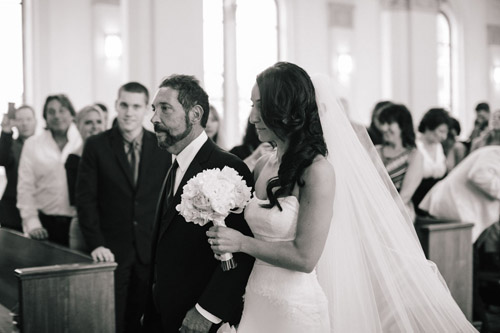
pixel 373 269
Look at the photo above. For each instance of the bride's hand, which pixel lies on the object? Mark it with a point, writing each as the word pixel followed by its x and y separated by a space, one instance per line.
pixel 224 240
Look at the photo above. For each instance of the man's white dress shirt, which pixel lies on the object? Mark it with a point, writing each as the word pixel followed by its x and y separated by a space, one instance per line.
pixel 42 183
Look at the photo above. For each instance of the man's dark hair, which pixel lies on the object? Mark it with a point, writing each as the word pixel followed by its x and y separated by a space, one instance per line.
pixel 135 87
pixel 483 106
pixel 190 93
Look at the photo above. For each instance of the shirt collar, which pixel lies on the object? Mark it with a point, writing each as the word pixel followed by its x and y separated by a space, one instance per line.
pixel 187 155
pixel 137 139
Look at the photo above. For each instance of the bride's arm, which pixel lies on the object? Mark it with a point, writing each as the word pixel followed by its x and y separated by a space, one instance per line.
pixel 315 213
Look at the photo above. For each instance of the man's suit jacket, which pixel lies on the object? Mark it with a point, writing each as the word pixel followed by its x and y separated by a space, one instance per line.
pixel 112 211
pixel 185 271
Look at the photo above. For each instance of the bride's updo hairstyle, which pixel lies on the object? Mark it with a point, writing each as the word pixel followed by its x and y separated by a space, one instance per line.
pixel 288 107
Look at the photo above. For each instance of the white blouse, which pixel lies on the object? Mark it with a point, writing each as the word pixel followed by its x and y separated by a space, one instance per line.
pixel 42 183
pixel 433 168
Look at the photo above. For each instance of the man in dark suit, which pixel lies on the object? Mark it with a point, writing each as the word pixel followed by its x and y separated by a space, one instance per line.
pixel 189 290
pixel 118 185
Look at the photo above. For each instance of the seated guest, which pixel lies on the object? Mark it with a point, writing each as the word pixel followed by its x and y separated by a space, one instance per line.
pixel 42 189
pixel 90 120
pixel 434 130
pixel 454 150
pixel 10 152
pixel 471 192
pixel 398 152
pixel 489 134
pixel 251 149
pixel 374 129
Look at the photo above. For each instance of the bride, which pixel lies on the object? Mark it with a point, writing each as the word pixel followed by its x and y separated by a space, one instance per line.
pixel 335 250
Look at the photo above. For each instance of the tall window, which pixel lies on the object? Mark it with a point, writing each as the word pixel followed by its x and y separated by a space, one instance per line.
pixel 444 61
pixel 11 56
pixel 256 49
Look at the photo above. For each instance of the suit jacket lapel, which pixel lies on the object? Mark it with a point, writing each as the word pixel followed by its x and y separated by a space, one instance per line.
pixel 147 156
pixel 119 152
pixel 194 168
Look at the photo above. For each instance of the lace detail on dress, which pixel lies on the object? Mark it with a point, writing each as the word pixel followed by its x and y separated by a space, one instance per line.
pixel 288 296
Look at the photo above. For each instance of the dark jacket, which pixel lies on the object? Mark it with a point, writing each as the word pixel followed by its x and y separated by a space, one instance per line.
pixel 112 211
pixel 185 271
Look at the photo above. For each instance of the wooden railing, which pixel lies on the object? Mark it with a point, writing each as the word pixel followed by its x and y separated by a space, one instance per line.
pixel 449 245
pixel 51 288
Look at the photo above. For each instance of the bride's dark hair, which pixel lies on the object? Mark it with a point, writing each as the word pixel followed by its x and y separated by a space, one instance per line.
pixel 288 108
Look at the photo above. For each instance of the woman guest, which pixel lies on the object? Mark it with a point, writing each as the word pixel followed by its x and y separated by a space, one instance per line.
pixel 213 125
pixel 10 152
pixel 42 190
pixel 90 121
pixel 374 129
pixel 454 150
pixel 398 152
pixel 434 130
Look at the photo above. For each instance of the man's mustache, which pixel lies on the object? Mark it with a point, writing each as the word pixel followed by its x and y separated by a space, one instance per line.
pixel 160 128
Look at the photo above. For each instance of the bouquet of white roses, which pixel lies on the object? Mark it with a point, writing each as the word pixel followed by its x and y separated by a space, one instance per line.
pixel 210 196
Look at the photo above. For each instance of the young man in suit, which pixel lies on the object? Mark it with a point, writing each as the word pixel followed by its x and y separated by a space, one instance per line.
pixel 189 290
pixel 118 185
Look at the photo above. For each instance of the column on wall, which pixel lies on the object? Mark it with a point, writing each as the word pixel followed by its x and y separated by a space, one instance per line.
pixel 137 31
pixel 58 48
pixel 409 51
pixel 494 53
pixel 341 50
pixel 231 115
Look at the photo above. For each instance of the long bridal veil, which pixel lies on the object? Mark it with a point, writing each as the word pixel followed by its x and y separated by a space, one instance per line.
pixel 373 269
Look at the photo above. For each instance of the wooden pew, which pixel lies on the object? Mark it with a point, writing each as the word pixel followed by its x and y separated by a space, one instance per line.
pixel 52 288
pixel 449 245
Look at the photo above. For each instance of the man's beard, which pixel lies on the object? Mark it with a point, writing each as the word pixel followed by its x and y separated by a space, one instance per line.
pixel 169 140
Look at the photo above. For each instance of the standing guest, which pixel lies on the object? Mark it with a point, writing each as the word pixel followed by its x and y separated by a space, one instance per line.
pixel 213 125
pixel 90 121
pixel 251 149
pixel 434 130
pixel 488 135
pixel 374 129
pixel 119 180
pixel 481 122
pixel 42 189
pixel 10 153
pixel 454 149
pixel 190 292
pixel 398 152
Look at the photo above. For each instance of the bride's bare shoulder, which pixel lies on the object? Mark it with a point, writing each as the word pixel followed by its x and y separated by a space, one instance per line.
pixel 320 171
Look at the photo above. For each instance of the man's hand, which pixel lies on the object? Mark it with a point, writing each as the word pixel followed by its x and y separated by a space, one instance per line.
pixel 39 233
pixel 102 254
pixel 194 322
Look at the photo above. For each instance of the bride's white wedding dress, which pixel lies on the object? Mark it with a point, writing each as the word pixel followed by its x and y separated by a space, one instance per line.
pixel 277 299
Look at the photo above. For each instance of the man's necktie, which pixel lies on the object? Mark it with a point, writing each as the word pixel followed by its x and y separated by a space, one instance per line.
pixel 133 159
pixel 169 185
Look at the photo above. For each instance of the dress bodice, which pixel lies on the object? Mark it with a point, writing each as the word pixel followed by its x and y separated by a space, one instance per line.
pixel 272 224
pixel 279 299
